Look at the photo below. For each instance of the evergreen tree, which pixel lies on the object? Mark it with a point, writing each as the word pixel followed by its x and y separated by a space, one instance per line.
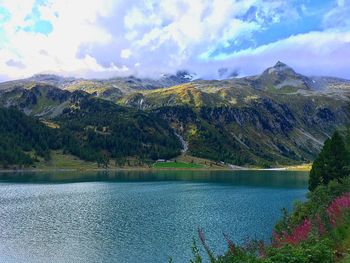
pixel 20 135
pixel 331 162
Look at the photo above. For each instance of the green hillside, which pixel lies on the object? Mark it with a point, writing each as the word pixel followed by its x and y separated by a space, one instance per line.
pixel 102 129
pixel 22 138
pixel 93 130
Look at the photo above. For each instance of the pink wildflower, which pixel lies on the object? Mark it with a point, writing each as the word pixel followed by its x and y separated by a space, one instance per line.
pixel 337 208
pixel 300 233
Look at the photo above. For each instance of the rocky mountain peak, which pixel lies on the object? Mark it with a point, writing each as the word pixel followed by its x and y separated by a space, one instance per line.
pixel 280 68
pixel 280 64
pixel 281 76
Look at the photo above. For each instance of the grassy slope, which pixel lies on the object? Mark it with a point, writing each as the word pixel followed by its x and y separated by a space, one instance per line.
pixel 71 162
pixel 177 165
pixel 68 161
pixel 302 167
pixel 64 161
pixel 206 163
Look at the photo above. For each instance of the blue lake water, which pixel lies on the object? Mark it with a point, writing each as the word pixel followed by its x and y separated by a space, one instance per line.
pixel 137 216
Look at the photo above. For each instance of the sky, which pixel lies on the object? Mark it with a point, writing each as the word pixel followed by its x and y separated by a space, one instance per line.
pixel 212 38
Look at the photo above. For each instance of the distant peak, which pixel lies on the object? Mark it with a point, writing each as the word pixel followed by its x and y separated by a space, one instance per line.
pixel 280 67
pixel 280 64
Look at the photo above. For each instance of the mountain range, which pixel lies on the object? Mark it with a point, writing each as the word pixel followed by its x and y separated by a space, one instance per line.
pixel 276 118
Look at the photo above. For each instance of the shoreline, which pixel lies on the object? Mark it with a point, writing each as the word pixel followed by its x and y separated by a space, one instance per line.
pixel 299 168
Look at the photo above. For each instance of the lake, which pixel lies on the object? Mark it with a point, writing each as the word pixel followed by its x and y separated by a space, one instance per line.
pixel 131 216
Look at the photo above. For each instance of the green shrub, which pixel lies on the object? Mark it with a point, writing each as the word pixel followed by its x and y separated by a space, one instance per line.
pixel 319 251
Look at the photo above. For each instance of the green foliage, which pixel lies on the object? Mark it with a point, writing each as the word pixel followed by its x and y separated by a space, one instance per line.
pixel 239 256
pixel 318 201
pixel 316 248
pixel 196 253
pixel 320 251
pixel 20 135
pixel 331 162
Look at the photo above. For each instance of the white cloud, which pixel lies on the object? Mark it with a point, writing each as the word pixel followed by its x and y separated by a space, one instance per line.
pixel 339 16
pixel 175 34
pixel 172 34
pixel 328 48
pixel 98 38
pixel 74 24
pixel 125 53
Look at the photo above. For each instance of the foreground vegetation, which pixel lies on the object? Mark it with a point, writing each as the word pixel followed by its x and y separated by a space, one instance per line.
pixel 317 230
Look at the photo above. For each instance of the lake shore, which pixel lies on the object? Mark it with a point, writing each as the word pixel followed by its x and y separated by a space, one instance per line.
pixel 61 162
pixel 303 167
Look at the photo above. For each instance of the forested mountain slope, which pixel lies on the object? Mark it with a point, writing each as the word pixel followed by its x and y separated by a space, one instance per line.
pixel 275 118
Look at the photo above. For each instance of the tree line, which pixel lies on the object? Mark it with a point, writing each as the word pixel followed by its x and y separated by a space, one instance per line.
pixel 95 133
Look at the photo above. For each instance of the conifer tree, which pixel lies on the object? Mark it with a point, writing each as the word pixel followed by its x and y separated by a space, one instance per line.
pixel 331 162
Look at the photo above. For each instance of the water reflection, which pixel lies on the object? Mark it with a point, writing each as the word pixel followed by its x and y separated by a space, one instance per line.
pixel 284 179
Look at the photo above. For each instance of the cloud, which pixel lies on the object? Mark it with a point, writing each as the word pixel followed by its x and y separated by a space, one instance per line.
pixel 105 38
pixel 172 35
pixel 14 63
pixel 339 16
pixel 328 48
pixel 125 53
pixel 73 25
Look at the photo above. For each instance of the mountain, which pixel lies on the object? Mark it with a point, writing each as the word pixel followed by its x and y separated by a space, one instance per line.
pixel 279 116
pixel 275 118
pixel 106 88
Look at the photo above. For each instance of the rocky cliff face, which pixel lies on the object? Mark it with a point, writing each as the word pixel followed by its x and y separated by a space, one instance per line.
pixel 41 100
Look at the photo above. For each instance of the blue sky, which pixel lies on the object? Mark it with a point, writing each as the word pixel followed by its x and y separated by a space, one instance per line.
pixel 106 38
